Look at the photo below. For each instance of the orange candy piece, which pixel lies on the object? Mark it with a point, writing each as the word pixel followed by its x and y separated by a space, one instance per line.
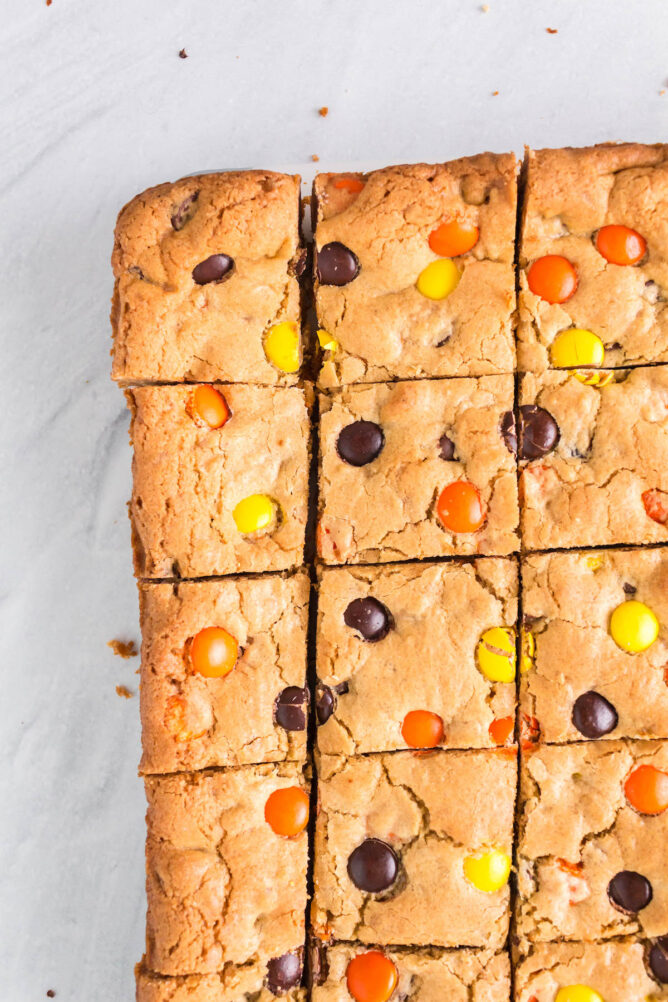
pixel 620 244
pixel 460 507
pixel 422 729
pixel 454 237
pixel 646 789
pixel 213 652
pixel 501 729
pixel 553 278
pixel 286 811
pixel 351 184
pixel 656 505
pixel 371 977
pixel 210 406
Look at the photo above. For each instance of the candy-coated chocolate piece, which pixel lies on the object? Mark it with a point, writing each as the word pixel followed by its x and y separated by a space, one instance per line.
pixel 634 627
pixel 213 269
pixel 284 973
pixel 336 264
pixel 658 960
pixel 360 443
pixel 422 729
pixel 446 448
pixel 454 237
pixel 578 993
pixel 488 871
pixel 593 715
pixel 501 729
pixel 527 651
pixel 553 278
pixel 371 977
pixel 286 811
pixel 352 184
pixel 281 346
pixel 620 244
pixel 496 654
pixel 460 507
pixel 646 789
pixel 209 406
pixel 255 513
pixel 291 708
pixel 369 617
pixel 326 341
pixel 655 504
pixel 629 892
pixel 574 347
pixel 590 378
pixel 213 652
pixel 373 866
pixel 438 279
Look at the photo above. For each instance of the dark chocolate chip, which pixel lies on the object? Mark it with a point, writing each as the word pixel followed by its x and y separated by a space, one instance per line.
pixel 213 269
pixel 298 263
pixel 360 443
pixel 629 589
pixel 336 264
pixel 184 212
pixel 629 892
pixel 318 967
pixel 658 960
pixel 593 715
pixel 325 703
pixel 373 866
pixel 446 448
pixel 538 432
pixel 284 973
pixel 290 708
pixel 508 429
pixel 369 617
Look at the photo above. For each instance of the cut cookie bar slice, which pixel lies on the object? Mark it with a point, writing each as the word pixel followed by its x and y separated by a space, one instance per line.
pixel 280 977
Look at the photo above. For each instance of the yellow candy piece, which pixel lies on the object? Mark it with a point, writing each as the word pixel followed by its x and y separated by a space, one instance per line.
pixel 497 655
pixel 438 279
pixel 593 378
pixel 254 513
pixel 281 346
pixel 634 627
pixel 326 340
pixel 578 993
pixel 576 347
pixel 594 562
pixel 488 871
pixel 527 651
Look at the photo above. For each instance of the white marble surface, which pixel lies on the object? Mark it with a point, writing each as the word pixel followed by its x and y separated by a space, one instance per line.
pixel 96 106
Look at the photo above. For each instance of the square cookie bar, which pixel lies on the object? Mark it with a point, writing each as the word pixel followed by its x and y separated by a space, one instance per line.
pixel 254 983
pixel 414 270
pixel 223 675
pixel 206 285
pixel 594 257
pixel 414 849
pixel 417 469
pixel 598 623
pixel 226 857
pixel 594 467
pixel 621 971
pixel 593 841
pixel 220 479
pixel 427 975
pixel 416 655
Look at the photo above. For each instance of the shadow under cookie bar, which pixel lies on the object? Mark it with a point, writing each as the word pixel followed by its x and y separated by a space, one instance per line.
pixel 425 975
pixel 223 675
pixel 205 268
pixel 594 254
pixel 214 498
pixel 598 622
pixel 234 984
pixel 417 469
pixel 406 649
pixel 593 841
pixel 414 270
pixel 598 472
pixel 226 884
pixel 617 971
pixel 414 849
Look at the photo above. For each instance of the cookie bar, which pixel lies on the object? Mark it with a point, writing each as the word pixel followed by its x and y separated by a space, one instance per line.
pixel 598 627
pixel 414 270
pixel 226 857
pixel 594 459
pixel 220 479
pixel 206 285
pixel 620 971
pixel 423 976
pixel 593 259
pixel 593 841
pixel 416 655
pixel 414 850
pixel 234 984
pixel 417 469
pixel 223 676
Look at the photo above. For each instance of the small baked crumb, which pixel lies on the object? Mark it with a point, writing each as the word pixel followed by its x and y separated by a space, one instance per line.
pixel 324 111
pixel 552 31
pixel 48 3
pixel 495 93
pixel 315 158
pixel 485 8
pixel 183 54
pixel 124 692
pixel 124 648
pixel 50 994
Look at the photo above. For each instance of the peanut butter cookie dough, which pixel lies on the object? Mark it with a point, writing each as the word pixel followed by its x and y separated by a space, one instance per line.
pixel 414 270
pixel 593 841
pixel 598 472
pixel 220 479
pixel 598 628
pixel 223 676
pixel 206 285
pixel 594 257
pixel 254 983
pixel 416 655
pixel 417 469
pixel 415 850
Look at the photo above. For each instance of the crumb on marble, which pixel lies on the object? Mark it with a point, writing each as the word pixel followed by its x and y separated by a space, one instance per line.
pixel 315 158
pixel 124 692
pixel 124 648
pixel 552 31
pixel 324 111
pixel 495 93
pixel 183 54
pixel 485 8
pixel 50 994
